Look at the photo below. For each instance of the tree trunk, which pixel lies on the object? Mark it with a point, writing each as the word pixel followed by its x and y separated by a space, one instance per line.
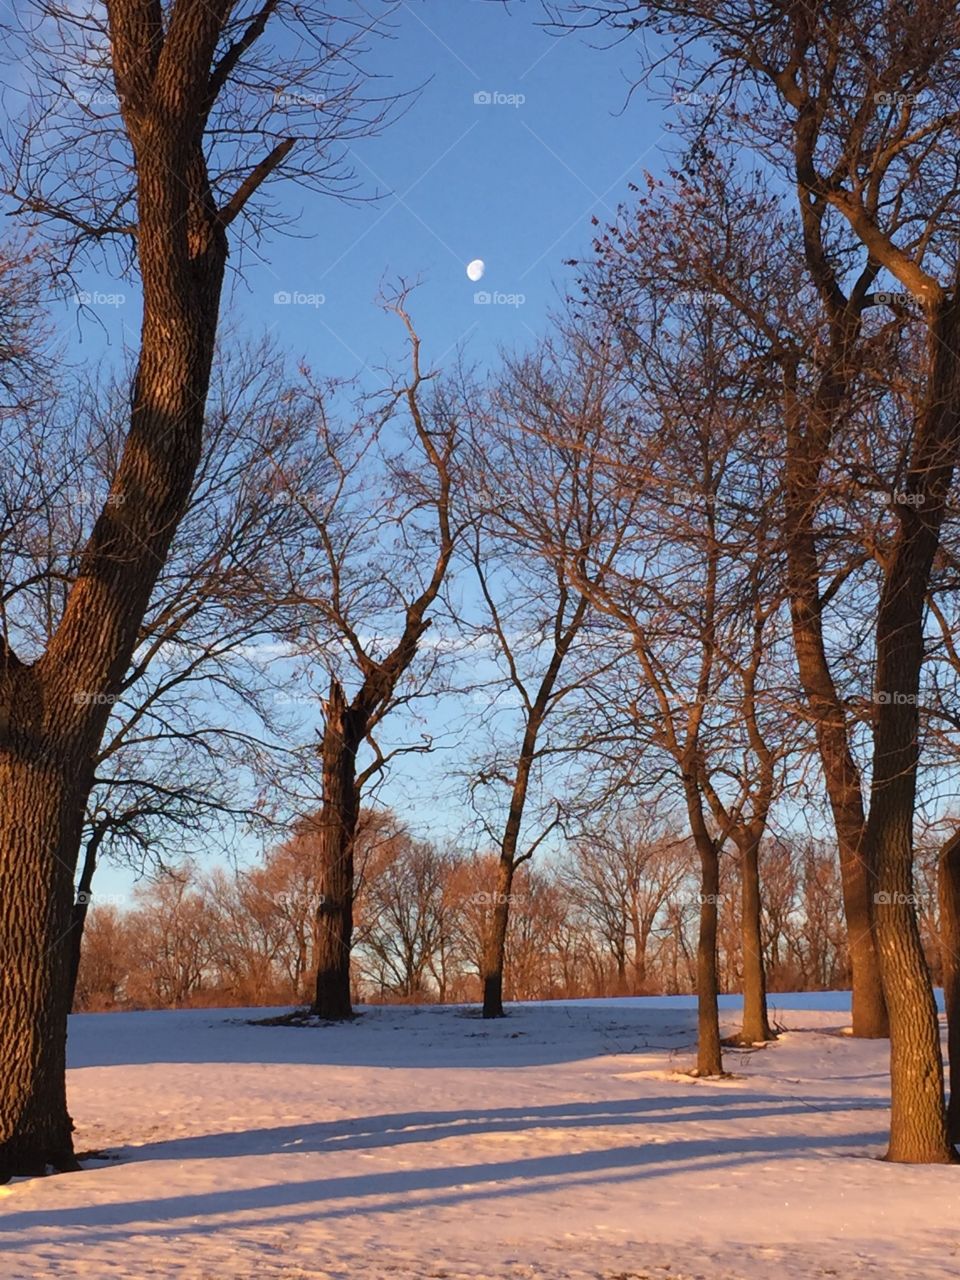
pixel 709 1054
pixel 639 949
pixel 949 891
pixel 81 905
pixel 495 945
pixel 918 1128
pixel 39 835
pixel 918 1122
pixel 756 1026
pixel 57 709
pixel 840 772
pixel 338 822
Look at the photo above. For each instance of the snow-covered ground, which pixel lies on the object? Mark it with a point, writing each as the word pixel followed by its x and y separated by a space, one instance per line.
pixel 558 1144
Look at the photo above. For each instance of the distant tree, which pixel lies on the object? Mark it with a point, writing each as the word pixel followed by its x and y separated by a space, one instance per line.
pixel 106 961
pixel 407 917
pixel 621 875
pixel 173 931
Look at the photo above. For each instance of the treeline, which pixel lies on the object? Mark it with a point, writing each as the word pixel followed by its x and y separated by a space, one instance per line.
pixel 616 915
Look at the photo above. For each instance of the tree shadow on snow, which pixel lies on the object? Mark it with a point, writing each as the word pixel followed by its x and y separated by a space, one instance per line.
pixel 392 1191
pixel 404 1128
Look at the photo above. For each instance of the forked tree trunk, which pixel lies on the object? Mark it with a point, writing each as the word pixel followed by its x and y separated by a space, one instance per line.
pixel 948 876
pixel 339 814
pixel 756 1025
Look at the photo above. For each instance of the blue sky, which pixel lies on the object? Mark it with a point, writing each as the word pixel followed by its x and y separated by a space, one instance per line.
pixel 514 182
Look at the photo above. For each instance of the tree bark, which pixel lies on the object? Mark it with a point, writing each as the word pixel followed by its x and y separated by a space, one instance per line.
pixel 756 1025
pixel 709 1052
pixel 918 1124
pixel 39 833
pixel 338 822
pixel 948 876
pixel 840 772
pixel 495 945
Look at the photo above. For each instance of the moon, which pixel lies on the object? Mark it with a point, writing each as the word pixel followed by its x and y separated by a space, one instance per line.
pixel 476 268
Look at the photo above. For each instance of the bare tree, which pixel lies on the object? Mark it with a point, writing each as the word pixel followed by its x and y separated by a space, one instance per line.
pixel 383 534
pixel 538 501
pixel 185 150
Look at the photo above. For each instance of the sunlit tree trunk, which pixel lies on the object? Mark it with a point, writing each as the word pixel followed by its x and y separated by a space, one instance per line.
pixel 338 824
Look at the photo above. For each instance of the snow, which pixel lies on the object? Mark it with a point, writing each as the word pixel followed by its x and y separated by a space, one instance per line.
pixel 561 1143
